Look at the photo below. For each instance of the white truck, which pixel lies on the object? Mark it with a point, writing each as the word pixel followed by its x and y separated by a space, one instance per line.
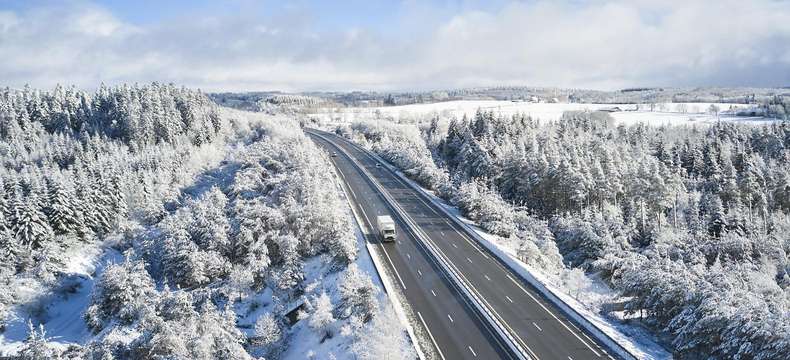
pixel 386 228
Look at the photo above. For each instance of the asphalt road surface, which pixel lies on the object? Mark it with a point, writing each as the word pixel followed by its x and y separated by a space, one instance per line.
pixel 447 326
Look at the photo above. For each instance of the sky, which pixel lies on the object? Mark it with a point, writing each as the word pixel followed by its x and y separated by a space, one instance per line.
pixel 306 45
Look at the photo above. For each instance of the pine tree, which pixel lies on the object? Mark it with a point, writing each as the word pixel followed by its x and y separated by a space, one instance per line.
pixel 289 274
pixel 9 252
pixel 60 208
pixel 267 331
pixel 717 220
pixel 182 261
pixel 781 191
pixel 210 226
pixel 321 318
pixel 31 226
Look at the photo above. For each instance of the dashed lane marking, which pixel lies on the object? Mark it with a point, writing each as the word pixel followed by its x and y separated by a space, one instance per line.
pixel 431 335
pixel 554 316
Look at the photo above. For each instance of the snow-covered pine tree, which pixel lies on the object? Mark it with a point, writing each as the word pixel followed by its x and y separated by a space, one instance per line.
pixel 30 224
pixel 267 331
pixel 210 225
pixel 321 318
pixel 60 207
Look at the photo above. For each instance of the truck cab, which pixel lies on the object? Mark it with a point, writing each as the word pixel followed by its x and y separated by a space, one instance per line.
pixel 386 227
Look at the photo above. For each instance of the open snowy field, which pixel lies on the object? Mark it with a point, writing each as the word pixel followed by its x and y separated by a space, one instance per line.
pixel 664 114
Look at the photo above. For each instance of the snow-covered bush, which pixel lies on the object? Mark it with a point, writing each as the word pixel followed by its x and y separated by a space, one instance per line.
pixel 486 207
pixel 209 226
pixel 121 293
pixel 357 293
pixel 383 338
pixel 267 331
pixel 321 316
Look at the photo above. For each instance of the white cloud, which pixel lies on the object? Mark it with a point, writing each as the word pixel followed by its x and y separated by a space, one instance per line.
pixel 599 44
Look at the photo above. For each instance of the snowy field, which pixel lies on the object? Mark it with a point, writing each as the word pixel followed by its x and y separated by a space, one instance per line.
pixel 669 114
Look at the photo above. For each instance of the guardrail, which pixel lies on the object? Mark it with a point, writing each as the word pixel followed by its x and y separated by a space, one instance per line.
pixel 450 272
pixel 506 261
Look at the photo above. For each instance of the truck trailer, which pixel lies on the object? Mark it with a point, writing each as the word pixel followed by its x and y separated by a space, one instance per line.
pixel 386 228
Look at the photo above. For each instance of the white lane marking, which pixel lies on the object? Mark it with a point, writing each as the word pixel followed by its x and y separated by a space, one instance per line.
pixel 400 280
pixel 536 325
pixel 474 353
pixel 417 195
pixel 487 278
pixel 570 358
pixel 450 317
pixel 434 294
pixel 431 335
pixel 470 260
pixel 508 298
pixel 419 272
pixel 441 232
pixel 408 256
pixel 455 246
pixel 552 315
pixel 467 239
pixel 475 246
pixel 353 193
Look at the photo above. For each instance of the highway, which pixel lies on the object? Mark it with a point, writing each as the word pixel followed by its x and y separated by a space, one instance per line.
pixel 447 323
